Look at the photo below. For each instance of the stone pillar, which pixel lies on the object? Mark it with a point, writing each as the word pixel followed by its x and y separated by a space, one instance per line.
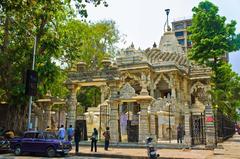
pixel 209 127
pixel 48 109
pixel 72 104
pixel 187 137
pixel 172 86
pixel 143 121
pixel 102 93
pixel 152 125
pixel 114 116
pixel 160 125
pixel 114 121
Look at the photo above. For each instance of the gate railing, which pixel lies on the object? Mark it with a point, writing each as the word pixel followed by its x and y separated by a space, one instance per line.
pixel 198 129
pixel 225 126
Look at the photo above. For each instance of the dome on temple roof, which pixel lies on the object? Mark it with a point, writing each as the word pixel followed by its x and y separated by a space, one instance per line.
pixel 155 56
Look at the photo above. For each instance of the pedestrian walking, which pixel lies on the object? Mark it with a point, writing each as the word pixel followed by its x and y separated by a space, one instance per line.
pixel 61 133
pixel 70 132
pixel 106 135
pixel 179 133
pixel 94 139
pixel 77 133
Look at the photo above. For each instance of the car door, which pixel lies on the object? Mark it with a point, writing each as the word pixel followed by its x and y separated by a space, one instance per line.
pixel 27 142
pixel 39 142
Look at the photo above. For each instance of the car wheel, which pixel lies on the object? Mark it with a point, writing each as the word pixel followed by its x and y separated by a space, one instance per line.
pixel 63 154
pixel 51 152
pixel 17 150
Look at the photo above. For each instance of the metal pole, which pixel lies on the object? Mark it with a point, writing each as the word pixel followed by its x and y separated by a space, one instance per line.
pixel 30 98
pixel 100 124
pixel 169 130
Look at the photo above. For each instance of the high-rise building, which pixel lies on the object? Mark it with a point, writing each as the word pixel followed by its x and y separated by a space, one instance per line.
pixel 180 29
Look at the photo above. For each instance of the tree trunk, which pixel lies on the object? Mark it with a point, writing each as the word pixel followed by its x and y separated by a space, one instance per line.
pixel 17 118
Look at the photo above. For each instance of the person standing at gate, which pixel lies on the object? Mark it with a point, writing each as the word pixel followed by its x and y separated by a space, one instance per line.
pixel 106 135
pixel 77 138
pixel 94 139
pixel 61 133
pixel 179 133
pixel 70 132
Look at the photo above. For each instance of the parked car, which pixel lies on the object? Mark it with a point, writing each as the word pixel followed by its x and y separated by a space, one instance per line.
pixel 40 142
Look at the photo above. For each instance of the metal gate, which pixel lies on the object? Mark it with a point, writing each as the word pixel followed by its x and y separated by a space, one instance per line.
pixel 198 129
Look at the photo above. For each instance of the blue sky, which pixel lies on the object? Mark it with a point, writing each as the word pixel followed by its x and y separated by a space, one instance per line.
pixel 142 21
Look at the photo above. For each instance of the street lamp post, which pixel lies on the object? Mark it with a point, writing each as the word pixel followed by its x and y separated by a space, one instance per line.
pixel 166 23
pixel 169 122
pixel 30 98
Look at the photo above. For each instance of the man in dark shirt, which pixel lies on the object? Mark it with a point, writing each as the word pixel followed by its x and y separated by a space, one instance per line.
pixel 77 138
pixel 106 135
pixel 179 133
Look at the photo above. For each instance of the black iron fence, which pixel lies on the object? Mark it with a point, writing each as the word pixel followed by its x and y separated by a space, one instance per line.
pixel 198 128
pixel 225 126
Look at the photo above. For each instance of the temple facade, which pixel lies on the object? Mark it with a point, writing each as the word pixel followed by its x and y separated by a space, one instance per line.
pixel 148 93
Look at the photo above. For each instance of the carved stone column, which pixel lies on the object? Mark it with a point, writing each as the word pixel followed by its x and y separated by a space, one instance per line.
pixel 173 85
pixel 48 108
pixel 102 93
pixel 187 137
pixel 143 121
pixel 160 125
pixel 72 104
pixel 210 129
pixel 46 105
pixel 152 124
pixel 114 121
pixel 114 116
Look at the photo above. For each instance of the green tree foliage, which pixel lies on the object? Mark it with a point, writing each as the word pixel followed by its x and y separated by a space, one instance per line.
pixel 20 22
pixel 89 97
pixel 82 41
pixel 212 39
pixel 226 91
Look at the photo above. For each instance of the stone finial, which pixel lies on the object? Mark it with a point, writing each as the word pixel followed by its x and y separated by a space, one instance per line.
pixel 154 45
pixel 81 66
pixel 106 62
pixel 132 45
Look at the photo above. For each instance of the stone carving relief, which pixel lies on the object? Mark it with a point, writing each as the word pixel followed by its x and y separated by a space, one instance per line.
pixel 162 104
pixel 127 91
pixel 199 90
pixel 128 75
pixel 145 82
pixel 160 77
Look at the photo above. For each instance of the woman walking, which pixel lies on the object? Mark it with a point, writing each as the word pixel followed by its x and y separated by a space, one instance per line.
pixel 94 139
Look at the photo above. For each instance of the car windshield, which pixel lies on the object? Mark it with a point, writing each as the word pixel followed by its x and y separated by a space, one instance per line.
pixel 50 135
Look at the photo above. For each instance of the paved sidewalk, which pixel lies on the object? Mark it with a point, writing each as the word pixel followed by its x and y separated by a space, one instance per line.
pixel 141 153
pixel 229 149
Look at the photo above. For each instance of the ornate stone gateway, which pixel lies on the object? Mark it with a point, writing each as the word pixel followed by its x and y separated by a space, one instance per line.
pixel 148 93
